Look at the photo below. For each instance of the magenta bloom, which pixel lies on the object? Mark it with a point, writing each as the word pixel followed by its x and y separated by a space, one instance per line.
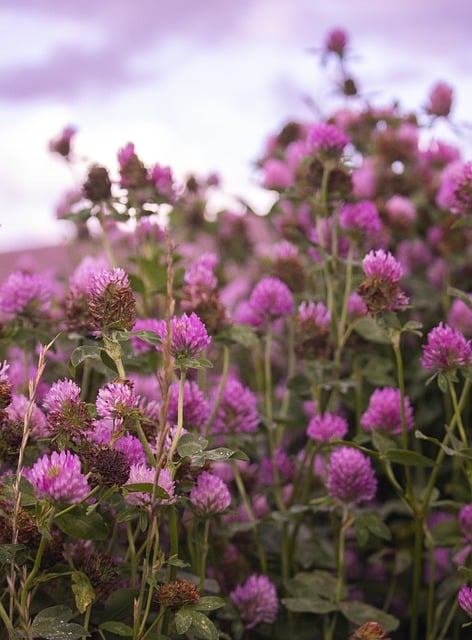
pixel 314 314
pixel 111 301
pixel 210 495
pixel 140 473
pixel 384 412
pixel 116 400
pixel 455 192
pixel 270 299
pixel 401 211
pixel 61 394
pixel 440 100
pixel 16 412
pixel 336 42
pixel 446 350
pixel 465 521
pixel 325 426
pixel 381 292
pixel 460 317
pixel 58 478
pixel 256 601
pixel 24 294
pixel 465 599
pixel 351 478
pixel 237 412
pixel 326 140
pixel 361 218
pixel 200 275
pixel 189 336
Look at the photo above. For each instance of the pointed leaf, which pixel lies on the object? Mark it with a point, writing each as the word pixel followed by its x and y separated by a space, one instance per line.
pixel 309 605
pixel 183 620
pixel 118 628
pixel 79 525
pixel 408 458
pixel 360 613
pixel 82 590
pixel 203 626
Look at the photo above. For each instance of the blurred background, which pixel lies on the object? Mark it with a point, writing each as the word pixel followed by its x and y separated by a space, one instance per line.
pixel 198 84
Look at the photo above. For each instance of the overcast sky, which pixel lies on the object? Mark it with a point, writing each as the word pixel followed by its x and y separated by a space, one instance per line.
pixel 196 84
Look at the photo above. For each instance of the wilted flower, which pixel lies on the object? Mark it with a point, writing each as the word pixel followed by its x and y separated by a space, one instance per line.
pixel 381 292
pixel 370 631
pixel 111 301
pixel 256 601
pixel 384 412
pixel 351 478
pixel 177 594
pixel 209 496
pixel 323 427
pixel 58 478
pixel 446 350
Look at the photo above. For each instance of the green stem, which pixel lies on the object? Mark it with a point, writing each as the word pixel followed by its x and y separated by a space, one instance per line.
pixel 204 554
pixel 449 619
pixel 6 621
pixel 268 379
pixel 37 564
pixel 180 416
pixel 106 240
pixel 401 385
pixel 417 570
pixel 221 388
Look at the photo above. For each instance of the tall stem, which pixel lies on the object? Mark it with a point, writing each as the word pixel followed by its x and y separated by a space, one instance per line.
pixel 221 388
pixel 180 416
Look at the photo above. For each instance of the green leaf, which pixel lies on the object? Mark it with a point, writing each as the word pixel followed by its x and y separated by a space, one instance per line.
pixel 193 363
pixel 209 603
pixel 222 454
pixel 80 354
pixel 314 583
pixel 145 487
pixel 442 382
pixel 242 334
pixel 82 590
pixel 147 336
pixel 313 604
pixel 52 624
pixel 447 450
pixel 118 628
pixel 382 443
pixel 183 620
pixel 408 458
pixel 189 444
pixel 78 525
pixel 203 626
pixel 369 329
pixel 175 561
pixel 370 523
pixel 300 384
pixel 9 551
pixel 462 295
pixel 108 361
pixel 360 613
pixel 136 283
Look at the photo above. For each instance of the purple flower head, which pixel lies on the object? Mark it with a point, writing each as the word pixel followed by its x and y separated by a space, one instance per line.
pixel 465 599
pixel 256 601
pixel 413 255
pixel 210 495
pixel 323 427
pixel 455 191
pixel 196 409
pixel 465 521
pixel 5 387
pixel 440 100
pixel 270 299
pixel 277 174
pixel 356 306
pixel 446 350
pixel 314 313
pixel 361 218
pixel 146 324
pixel 326 140
pixel 401 211
pixel 24 295
pixel 460 317
pixel 336 42
pixel 133 173
pixel 163 181
pixel 140 473
pixel 58 478
pixel 384 412
pixel 351 478
pixel 61 394
pixel 381 292
pixel 111 301
pixel 189 336
pixel 116 400
pixel 312 330
pixel 237 411
pixel 200 275
pixel 17 410
pixel 67 414
pixel 61 144
pixel 282 462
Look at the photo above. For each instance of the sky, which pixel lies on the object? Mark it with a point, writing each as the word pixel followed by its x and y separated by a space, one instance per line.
pixel 197 84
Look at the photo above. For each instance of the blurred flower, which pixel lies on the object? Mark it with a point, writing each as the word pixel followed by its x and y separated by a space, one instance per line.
pixel 460 316
pixel 465 599
pixel 446 350
pixel 440 100
pixel 277 174
pixel 465 521
pixel 97 185
pixel 270 299
pixel 370 631
pixel 237 411
pixel 361 218
pixel 323 427
pixel 133 173
pixel 326 141
pixel 384 412
pixel 17 410
pixel 24 295
pixel 209 496
pixel 111 301
pixel 58 478
pixel 401 211
pixel 256 601
pixel 61 144
pixel 336 42
pixel 455 191
pixel 351 478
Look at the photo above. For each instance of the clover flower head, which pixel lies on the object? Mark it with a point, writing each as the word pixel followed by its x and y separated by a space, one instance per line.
pixel 256 601
pixel 361 218
pixel 26 295
pixel 336 42
pixel 17 410
pixel 111 301
pixel 323 427
pixel 382 265
pixel 58 478
pixel 400 210
pixel 314 313
pixel 351 478
pixel 189 336
pixel 140 473
pixel 61 392
pixel 464 598
pixel 116 400
pixel 384 412
pixel 210 495
pixel 465 521
pixel 237 411
pixel 460 316
pixel 440 100
pixel 381 291
pixel 446 350
pixel 271 299
pixel 326 140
